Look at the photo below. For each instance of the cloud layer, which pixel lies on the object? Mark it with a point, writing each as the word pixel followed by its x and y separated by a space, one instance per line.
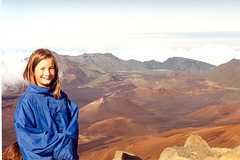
pixel 12 67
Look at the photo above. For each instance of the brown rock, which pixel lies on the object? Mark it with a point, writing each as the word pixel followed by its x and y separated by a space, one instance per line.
pixel 230 156
pixel 196 148
pixel 196 140
pixel 171 153
pixel 237 149
pixel 122 155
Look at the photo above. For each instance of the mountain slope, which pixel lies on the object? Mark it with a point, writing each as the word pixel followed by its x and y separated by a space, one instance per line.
pixel 220 114
pixel 188 65
pixel 110 63
pixel 90 69
pixel 107 62
pixel 75 73
pixel 110 107
pixel 150 65
pixel 227 74
pixel 115 127
pixel 153 94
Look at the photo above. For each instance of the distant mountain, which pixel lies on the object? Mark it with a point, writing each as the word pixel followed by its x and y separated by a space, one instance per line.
pixel 87 70
pixel 110 63
pixel 150 65
pixel 107 62
pixel 187 65
pixel 227 74
pixel 74 73
pixel 176 64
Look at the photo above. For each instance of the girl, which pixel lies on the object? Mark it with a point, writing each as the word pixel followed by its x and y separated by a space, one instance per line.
pixel 45 119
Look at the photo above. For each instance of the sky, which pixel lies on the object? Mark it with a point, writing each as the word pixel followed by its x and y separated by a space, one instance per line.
pixel 205 30
pixel 110 23
pixel 113 25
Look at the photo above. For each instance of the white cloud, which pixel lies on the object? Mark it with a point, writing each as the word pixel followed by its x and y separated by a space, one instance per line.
pixel 97 49
pixel 213 54
pixel 12 67
pixel 70 53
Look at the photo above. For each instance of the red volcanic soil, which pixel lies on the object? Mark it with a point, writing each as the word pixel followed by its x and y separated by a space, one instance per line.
pixel 110 107
pixel 182 74
pixel 150 147
pixel 226 74
pixel 153 94
pixel 9 104
pixel 83 96
pixel 120 87
pixel 219 114
pixel 119 126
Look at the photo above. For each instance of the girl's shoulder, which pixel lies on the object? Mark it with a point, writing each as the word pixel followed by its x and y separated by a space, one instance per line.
pixel 63 94
pixel 31 95
pixel 27 98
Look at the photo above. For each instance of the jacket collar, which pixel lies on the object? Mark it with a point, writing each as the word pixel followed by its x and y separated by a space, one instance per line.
pixel 38 89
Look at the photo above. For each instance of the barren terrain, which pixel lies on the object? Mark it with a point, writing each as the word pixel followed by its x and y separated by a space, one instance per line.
pixel 141 112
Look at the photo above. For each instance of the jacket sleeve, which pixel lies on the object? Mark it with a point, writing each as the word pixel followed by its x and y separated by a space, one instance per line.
pixel 40 144
pixel 70 149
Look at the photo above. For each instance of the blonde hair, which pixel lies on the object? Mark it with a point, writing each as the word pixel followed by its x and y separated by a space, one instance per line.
pixel 12 152
pixel 34 59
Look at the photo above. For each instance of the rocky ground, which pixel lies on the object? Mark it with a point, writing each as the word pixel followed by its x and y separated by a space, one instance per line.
pixel 195 148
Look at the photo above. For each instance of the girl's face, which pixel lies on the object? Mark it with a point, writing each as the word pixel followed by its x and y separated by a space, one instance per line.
pixel 44 72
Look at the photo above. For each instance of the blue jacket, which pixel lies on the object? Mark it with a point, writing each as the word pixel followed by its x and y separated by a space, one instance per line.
pixel 46 128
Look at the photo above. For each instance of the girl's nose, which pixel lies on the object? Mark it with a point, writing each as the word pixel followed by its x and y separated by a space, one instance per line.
pixel 47 72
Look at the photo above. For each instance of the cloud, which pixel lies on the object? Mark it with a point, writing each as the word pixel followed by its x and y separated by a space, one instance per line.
pixel 12 67
pixel 70 53
pixel 90 49
pixel 213 54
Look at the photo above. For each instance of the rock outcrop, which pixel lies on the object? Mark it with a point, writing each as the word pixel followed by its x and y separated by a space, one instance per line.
pixel 196 148
pixel 121 155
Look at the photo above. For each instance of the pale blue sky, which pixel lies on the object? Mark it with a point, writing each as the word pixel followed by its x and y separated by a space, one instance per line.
pixel 127 28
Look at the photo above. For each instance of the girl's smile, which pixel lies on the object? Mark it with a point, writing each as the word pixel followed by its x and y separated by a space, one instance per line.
pixel 44 72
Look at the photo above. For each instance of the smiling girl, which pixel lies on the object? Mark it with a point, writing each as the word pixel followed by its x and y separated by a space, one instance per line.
pixel 45 119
